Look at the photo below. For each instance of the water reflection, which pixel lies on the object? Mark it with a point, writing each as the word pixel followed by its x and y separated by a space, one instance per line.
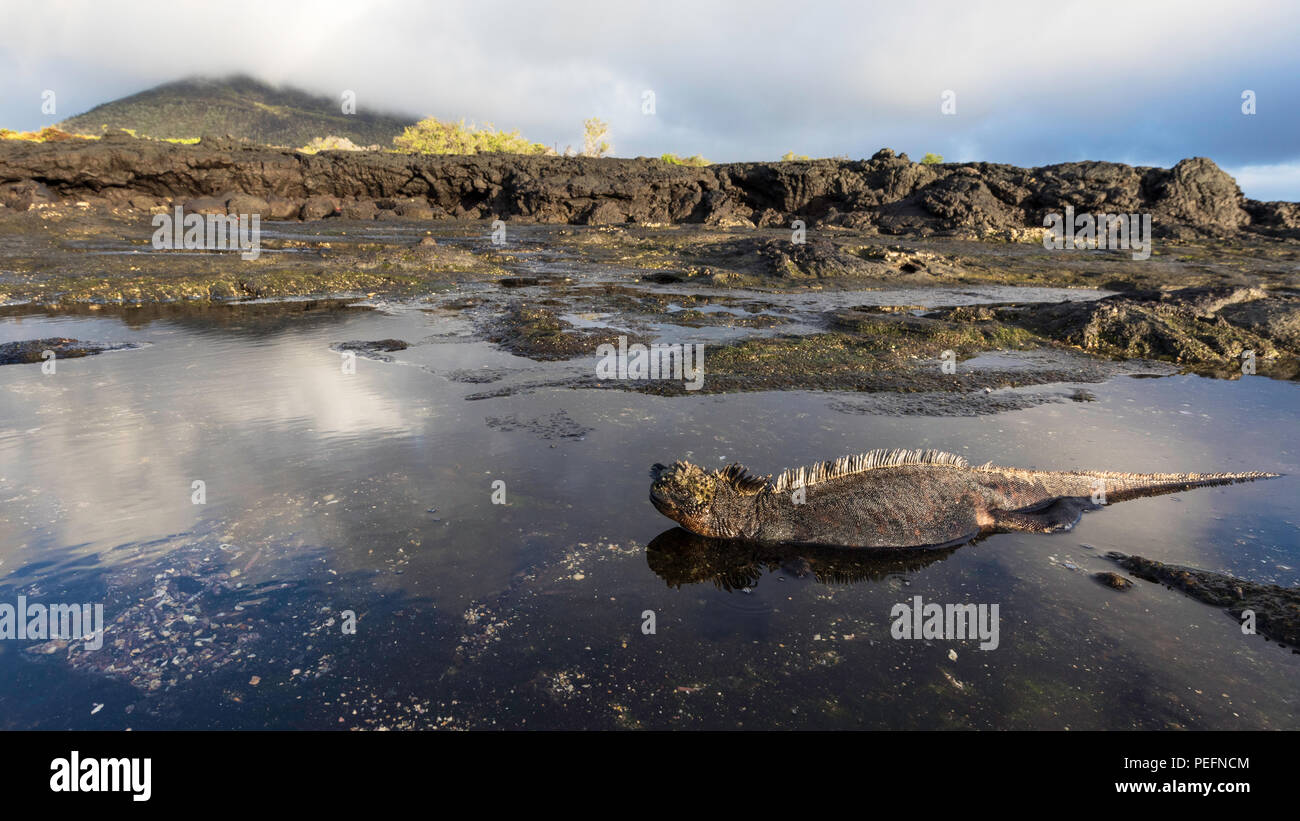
pixel 681 558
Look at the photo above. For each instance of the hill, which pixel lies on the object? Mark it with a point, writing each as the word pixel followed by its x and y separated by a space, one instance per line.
pixel 241 107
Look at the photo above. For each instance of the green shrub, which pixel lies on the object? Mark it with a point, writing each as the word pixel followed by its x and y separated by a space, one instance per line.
pixel 790 156
pixel 931 159
pixel 49 134
pixel 334 143
pixel 432 136
pixel 696 160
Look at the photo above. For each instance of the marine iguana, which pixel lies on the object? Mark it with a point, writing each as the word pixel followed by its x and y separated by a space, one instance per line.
pixel 897 499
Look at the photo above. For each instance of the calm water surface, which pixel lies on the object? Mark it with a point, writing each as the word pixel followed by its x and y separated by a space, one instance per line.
pixel 372 493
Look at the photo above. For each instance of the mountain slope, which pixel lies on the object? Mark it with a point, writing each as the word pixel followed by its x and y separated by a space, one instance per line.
pixel 238 106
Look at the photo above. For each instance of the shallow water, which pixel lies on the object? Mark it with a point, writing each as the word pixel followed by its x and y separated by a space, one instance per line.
pixel 372 492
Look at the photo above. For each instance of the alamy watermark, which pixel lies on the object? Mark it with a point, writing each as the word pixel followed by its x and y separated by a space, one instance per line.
pixel 1117 232
pixel 656 361
pixel 951 622
pixel 77 774
pixel 211 232
pixel 67 622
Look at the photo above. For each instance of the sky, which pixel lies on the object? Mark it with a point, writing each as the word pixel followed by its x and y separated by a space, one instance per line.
pixel 1029 83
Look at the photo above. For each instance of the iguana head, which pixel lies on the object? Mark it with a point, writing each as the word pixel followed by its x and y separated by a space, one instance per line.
pixel 702 501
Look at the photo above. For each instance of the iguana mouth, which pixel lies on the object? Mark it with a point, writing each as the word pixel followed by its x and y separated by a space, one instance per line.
pixel 662 505
pixel 662 502
pixel 656 498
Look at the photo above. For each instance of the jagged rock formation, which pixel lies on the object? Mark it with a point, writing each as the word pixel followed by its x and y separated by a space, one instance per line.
pixel 1208 327
pixel 889 194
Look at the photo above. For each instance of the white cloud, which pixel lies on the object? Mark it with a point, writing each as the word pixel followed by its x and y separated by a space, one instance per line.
pixel 746 79
pixel 1268 182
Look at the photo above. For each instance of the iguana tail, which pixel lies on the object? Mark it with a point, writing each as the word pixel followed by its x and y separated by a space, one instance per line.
pixel 1058 498
pixel 1113 486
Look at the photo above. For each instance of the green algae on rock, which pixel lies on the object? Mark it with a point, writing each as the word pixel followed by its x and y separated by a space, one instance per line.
pixel 537 333
pixel 1189 326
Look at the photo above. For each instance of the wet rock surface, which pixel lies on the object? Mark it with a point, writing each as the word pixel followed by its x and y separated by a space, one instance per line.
pixel 967 404
pixel 34 350
pixel 373 349
pixel 1276 609
pixel 848 362
pixel 1112 580
pixel 774 339
pixel 537 333
pixel 1213 329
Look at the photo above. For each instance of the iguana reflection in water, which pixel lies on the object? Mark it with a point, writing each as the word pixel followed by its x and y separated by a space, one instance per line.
pixel 680 558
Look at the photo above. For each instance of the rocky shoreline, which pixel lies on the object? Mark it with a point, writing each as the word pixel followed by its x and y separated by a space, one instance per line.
pixel 1217 309
pixel 661 245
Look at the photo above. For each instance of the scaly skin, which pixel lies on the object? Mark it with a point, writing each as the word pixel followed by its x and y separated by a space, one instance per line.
pixel 897 499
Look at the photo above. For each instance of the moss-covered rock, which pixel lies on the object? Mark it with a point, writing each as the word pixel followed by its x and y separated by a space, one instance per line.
pixel 1203 328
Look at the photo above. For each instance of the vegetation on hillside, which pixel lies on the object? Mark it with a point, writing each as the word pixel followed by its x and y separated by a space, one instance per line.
pixel 52 134
pixel 239 106
pixel 931 159
pixel 49 134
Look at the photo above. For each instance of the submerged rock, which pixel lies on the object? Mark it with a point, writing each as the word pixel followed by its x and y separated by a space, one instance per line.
pixel 33 350
pixel 558 425
pixel 371 349
pixel 1113 580
pixel 1276 609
